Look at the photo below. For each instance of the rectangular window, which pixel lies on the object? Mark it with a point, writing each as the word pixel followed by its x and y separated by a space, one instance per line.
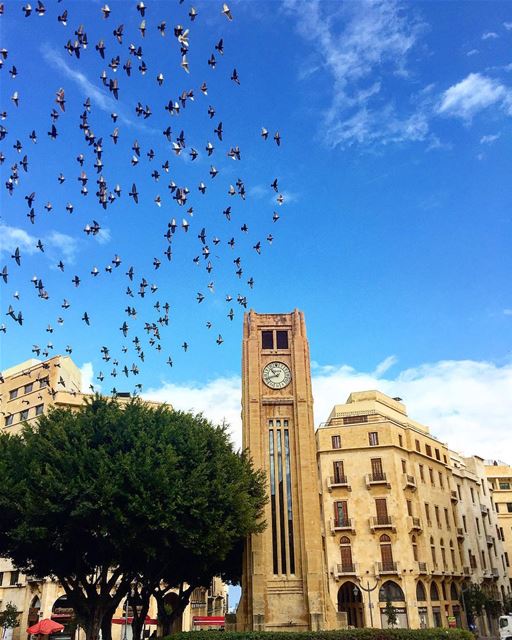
pixel 477 521
pixel 484 563
pixel 273 499
pixel 336 442
pixel 418 446
pixel 404 466
pixel 267 340
pixel 1 578
pixel 377 472
pixel 281 499
pixel 44 382
pixel 428 450
pixel 289 498
pixel 438 455
pixel 506 560
pixel 427 513
pixel 438 520
pixel 341 513
pixel 422 472
pixel 15 578
pixel 447 518
pixel 9 420
pixel 464 524
pixel 24 415
pixel 504 485
pixel 13 393
pixel 441 481
pixel 509 507
pixel 409 507
pixel 282 339
pixel 28 387
pixel 458 492
pixel 373 438
pixel 355 419
pixel 339 475
pixel 39 409
pixel 431 474
pixel 381 508
pixel 472 495
pixel 400 441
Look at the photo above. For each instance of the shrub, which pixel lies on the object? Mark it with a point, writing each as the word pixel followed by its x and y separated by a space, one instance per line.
pixel 341 634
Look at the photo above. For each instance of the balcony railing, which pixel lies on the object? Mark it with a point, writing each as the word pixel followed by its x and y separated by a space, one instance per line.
pixel 484 509
pixel 460 532
pixel 345 569
pixel 382 522
pixel 376 478
pixel 387 567
pixel 422 567
pixel 489 540
pixel 338 481
pixel 454 496
pixel 495 572
pixel 409 482
pixel 415 524
pixel 344 524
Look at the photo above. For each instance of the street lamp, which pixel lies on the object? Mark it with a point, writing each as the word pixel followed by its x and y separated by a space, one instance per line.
pixel 368 590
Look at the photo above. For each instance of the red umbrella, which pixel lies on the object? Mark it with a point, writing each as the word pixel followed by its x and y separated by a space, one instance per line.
pixel 45 627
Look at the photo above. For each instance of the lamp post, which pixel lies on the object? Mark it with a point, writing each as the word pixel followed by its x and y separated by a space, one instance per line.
pixel 368 590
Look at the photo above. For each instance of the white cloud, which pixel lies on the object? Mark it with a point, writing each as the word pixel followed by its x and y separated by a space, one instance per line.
pixel 489 35
pixel 508 26
pixel 219 400
pixel 465 403
pixel 507 312
pixel 87 377
pixel 489 139
pixel 357 41
pixel 473 94
pixel 472 52
pixel 12 237
pixel 103 236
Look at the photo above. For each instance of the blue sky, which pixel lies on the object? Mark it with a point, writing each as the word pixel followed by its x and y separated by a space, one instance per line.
pixel 394 167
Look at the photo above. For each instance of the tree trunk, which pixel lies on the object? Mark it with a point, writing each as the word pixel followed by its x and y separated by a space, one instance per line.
pixel 93 625
pixel 139 616
pixel 106 624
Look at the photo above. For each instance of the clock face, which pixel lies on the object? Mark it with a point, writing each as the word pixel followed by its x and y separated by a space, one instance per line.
pixel 276 375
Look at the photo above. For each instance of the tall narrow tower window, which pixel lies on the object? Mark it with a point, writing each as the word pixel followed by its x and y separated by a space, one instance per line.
pixel 267 339
pixel 282 339
pixel 273 499
pixel 289 498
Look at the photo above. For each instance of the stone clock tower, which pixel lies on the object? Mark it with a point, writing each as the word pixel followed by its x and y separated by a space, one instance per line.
pixel 284 583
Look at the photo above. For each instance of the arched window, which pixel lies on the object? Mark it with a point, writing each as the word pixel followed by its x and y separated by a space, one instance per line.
pixel 421 594
pixel 391 591
pixel 347 565
pixel 386 553
pixel 434 592
pixel 453 592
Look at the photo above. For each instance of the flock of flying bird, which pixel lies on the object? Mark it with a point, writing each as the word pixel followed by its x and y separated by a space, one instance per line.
pixel 99 153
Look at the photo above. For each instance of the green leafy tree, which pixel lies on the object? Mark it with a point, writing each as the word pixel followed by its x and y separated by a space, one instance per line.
pixel 390 613
pixel 9 617
pixel 475 599
pixel 113 499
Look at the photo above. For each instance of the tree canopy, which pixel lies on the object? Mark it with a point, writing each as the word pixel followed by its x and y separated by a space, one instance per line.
pixel 108 497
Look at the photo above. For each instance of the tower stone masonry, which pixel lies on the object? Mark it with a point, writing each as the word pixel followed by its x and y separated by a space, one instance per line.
pixel 285 578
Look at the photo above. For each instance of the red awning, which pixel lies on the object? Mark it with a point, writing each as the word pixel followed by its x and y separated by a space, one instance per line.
pixel 208 620
pixel 129 620
pixel 45 627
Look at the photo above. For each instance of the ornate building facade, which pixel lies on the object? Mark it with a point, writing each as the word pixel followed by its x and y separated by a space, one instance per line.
pixel 370 510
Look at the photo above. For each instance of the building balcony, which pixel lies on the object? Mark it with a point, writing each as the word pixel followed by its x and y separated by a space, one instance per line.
pixel 495 572
pixel 338 482
pixel 489 540
pixel 415 524
pixel 374 479
pixel 386 567
pixel 409 482
pixel 422 568
pixel 484 509
pixel 467 571
pixel 345 569
pixel 454 496
pixel 460 533
pixel 382 522
pixel 346 524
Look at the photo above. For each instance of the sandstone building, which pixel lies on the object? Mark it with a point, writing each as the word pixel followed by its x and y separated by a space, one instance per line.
pixel 375 509
pixel 27 391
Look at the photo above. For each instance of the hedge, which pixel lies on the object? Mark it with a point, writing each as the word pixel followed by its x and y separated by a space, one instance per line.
pixel 341 634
